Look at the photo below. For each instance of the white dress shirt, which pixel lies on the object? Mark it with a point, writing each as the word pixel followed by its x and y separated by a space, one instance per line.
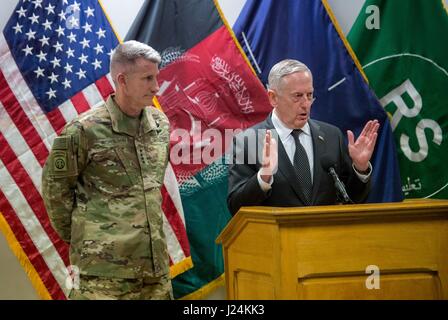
pixel 288 142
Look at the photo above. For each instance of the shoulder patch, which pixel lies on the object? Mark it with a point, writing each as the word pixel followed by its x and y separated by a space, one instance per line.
pixel 59 161
pixel 62 160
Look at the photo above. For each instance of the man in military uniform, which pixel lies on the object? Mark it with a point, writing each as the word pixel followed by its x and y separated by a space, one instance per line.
pixel 101 186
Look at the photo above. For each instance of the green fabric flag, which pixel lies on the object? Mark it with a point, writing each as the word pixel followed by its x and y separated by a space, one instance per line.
pixel 402 47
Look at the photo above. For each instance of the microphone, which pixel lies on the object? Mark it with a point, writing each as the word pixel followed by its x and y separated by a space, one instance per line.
pixel 328 165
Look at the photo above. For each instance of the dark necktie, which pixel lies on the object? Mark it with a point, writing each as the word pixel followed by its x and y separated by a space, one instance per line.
pixel 302 167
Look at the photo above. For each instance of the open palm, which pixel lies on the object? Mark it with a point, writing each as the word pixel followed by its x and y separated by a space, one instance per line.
pixel 361 150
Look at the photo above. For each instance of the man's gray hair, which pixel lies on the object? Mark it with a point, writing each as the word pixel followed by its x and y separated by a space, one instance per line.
pixel 126 53
pixel 284 68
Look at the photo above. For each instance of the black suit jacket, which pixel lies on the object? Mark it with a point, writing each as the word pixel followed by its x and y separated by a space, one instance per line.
pixel 244 189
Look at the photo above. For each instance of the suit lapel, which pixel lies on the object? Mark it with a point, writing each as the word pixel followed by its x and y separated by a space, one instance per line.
pixel 318 149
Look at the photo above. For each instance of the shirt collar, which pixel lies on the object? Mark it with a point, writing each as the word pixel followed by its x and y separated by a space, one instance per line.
pixel 283 131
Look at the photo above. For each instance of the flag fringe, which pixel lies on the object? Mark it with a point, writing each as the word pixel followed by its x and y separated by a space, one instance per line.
pixel 205 290
pixel 181 267
pixel 344 39
pixel 157 104
pixel 26 264
pixel 232 34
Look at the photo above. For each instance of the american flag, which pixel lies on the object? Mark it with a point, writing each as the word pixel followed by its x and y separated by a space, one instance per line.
pixel 54 65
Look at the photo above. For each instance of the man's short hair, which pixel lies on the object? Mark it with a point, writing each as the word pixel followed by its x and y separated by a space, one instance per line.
pixel 126 53
pixel 284 68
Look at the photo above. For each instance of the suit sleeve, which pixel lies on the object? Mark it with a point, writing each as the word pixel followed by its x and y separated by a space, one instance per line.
pixel 60 175
pixel 244 189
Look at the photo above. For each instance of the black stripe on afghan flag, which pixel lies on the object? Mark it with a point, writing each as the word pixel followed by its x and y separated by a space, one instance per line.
pixel 173 26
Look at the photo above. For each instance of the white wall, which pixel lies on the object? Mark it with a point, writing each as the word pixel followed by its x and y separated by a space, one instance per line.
pixel 14 284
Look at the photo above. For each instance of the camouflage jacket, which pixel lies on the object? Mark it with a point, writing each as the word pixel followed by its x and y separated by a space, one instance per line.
pixel 101 187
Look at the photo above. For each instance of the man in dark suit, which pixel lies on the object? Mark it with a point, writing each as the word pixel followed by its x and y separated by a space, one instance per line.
pixel 288 163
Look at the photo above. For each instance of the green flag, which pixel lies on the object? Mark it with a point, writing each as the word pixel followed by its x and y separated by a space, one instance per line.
pixel 402 47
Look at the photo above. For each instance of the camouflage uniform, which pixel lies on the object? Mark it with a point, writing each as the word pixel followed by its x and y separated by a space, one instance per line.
pixel 101 186
pixel 99 288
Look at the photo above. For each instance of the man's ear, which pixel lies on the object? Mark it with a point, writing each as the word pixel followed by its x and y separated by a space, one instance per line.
pixel 272 95
pixel 121 79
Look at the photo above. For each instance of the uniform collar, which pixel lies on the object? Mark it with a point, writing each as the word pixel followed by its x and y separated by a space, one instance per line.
pixel 123 123
pixel 148 122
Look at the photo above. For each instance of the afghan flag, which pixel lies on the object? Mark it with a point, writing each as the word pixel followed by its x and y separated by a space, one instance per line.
pixel 207 89
pixel 401 48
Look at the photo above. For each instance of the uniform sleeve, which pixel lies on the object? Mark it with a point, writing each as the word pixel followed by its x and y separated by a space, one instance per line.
pixel 60 175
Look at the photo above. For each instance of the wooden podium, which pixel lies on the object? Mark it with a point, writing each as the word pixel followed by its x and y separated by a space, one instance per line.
pixel 338 252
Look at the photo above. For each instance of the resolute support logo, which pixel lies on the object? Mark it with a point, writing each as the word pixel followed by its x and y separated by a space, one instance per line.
pixel 418 120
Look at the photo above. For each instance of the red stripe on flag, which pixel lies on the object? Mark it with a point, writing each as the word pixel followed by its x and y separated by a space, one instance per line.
pixel 30 249
pixel 175 221
pixel 22 122
pixel 80 102
pixel 31 195
pixel 57 120
pixel 104 87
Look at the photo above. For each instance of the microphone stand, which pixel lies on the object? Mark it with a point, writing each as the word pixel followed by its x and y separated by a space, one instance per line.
pixel 339 185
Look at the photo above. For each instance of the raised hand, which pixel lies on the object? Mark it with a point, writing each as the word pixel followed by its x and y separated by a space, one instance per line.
pixel 270 157
pixel 361 150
